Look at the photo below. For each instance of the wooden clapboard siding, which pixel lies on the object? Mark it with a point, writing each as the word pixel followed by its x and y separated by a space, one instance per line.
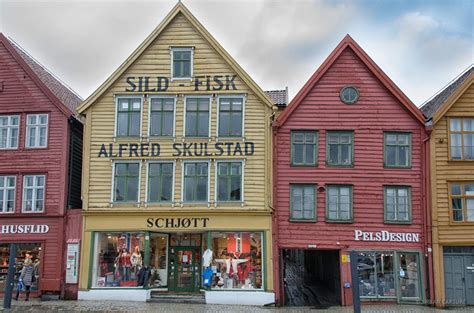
pixel 155 61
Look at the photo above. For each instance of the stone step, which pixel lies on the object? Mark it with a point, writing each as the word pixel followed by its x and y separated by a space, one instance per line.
pixel 165 297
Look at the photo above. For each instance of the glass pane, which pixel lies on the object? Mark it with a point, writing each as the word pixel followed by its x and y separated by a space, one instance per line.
pixel 468 124
pixel 31 119
pixel 470 209
pixel 191 104
pixel 42 139
pixel 224 124
pixel 155 124
pixel 203 104
pixel 224 105
pixel 167 124
pixel 123 104
pixel 236 184
pixel 455 124
pixel 385 274
pixel 390 157
pixel 403 140
pixel 456 189
pixel 43 119
pixel 334 138
pixel 333 154
pixel 298 137
pixel 310 137
pixel 391 139
pixel 297 198
pixel 366 274
pixel 469 146
pixel 132 192
pixel 403 156
pixel 203 124
pixel 409 275
pixel 119 189
pixel 346 138
pixel 223 193
pixel 133 169
pixel 167 169
pixel 346 155
pixel 40 181
pixel 236 124
pixel 189 188
pixel 32 137
pixel 153 194
pixel 135 124
pixel 201 189
pixel 201 168
pixel 191 124
pixel 122 124
pixel 298 153
pixel 167 188
pixel 309 149
pixel 29 181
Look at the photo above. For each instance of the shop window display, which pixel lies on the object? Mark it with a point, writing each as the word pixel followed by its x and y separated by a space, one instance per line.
pixel 158 260
pixel 119 259
pixel 409 275
pixel 234 261
pixel 25 251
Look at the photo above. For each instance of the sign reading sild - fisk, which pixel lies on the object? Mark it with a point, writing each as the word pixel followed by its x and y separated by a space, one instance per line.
pixel 196 149
pixel 161 83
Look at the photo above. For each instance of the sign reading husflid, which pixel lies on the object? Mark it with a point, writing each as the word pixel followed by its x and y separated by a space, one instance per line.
pixel 24 229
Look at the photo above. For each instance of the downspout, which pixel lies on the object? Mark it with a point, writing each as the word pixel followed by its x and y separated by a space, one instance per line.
pixel 276 252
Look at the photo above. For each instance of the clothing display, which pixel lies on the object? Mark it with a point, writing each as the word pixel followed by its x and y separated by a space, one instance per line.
pixel 207 258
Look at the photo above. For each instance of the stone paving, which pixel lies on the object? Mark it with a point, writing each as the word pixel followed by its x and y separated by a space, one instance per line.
pixel 36 305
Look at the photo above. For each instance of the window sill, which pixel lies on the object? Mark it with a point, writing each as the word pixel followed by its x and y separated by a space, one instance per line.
pixel 461 161
pixel 119 204
pixel 36 148
pixel 398 222
pixel 397 167
pixel 304 165
pixel 196 138
pixel 461 223
pixel 127 138
pixel 181 79
pixel 339 221
pixel 9 149
pixel 302 221
pixel 340 165
pixel 150 138
pixel 230 138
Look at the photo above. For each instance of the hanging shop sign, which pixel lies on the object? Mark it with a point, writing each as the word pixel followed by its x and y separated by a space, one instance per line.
pixel 193 149
pixel 179 222
pixel 161 83
pixel 385 235
pixel 24 229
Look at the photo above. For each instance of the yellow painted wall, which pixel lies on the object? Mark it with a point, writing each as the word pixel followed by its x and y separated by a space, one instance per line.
pixel 443 171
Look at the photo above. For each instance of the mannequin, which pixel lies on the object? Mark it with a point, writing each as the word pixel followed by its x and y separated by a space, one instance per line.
pixel 126 264
pixel 231 269
pixel 136 262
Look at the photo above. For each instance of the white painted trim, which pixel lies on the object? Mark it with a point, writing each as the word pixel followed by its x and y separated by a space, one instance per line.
pixel 147 178
pixel 216 174
pixel 150 98
pixel 116 294
pixel 114 162
pixel 95 259
pixel 191 72
pixel 142 99
pixel 33 199
pixel 9 128
pixel 219 97
pixel 4 190
pixel 237 297
pixel 186 97
pixel 36 126
pixel 183 163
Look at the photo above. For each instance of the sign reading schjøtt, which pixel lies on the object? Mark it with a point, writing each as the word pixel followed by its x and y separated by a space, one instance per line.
pixel 24 229
pixel 385 235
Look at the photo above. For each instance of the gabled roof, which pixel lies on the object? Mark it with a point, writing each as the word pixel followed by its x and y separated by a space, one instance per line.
pixel 350 43
pixel 278 97
pixel 441 102
pixel 60 95
pixel 178 8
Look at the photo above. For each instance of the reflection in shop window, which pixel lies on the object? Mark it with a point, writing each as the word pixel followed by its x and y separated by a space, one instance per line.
pixel 25 251
pixel 237 262
pixel 119 260
pixel 409 275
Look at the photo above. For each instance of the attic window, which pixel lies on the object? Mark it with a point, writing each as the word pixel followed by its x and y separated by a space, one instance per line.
pixel 181 63
pixel 349 94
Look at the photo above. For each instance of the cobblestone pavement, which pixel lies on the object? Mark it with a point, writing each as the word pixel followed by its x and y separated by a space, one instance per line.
pixel 128 306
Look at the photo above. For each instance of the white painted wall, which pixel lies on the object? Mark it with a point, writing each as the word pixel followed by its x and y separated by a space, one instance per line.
pixel 240 297
pixel 115 294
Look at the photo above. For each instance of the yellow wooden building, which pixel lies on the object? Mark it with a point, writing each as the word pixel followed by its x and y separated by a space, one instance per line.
pixel 451 114
pixel 176 176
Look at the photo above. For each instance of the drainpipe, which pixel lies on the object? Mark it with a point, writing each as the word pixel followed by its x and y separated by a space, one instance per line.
pixel 276 252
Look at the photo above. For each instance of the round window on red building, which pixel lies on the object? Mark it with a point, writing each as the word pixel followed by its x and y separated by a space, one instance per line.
pixel 349 94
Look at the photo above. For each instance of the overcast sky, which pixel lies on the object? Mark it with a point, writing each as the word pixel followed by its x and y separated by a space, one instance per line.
pixel 421 45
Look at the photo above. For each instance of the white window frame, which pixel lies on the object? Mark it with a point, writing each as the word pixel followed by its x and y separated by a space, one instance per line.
pixel 37 127
pixel 183 163
pixel 113 182
pixel 5 190
pixel 150 98
pixel 117 98
pixel 244 100
pixel 184 114
pixel 9 128
pixel 35 188
pixel 242 183
pixel 147 178
pixel 191 72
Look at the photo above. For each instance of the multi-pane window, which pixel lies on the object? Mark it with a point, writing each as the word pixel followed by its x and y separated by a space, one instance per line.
pixel 197 117
pixel 230 117
pixel 182 66
pixel 36 130
pixel 462 201
pixel 340 147
pixel 126 181
pixel 161 116
pixel 397 149
pixel 160 182
pixel 7 193
pixel 9 125
pixel 339 203
pixel 129 117
pixel 304 147
pixel 229 181
pixel 303 202
pixel 461 138
pixel 196 179
pixel 397 204
pixel 33 193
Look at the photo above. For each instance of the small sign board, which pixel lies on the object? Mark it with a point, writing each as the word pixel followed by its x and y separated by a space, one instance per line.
pixel 72 262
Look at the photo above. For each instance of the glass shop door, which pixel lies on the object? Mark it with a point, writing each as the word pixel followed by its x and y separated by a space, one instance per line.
pixel 182 269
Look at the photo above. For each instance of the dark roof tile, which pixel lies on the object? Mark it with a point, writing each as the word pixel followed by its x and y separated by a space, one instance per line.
pixel 278 97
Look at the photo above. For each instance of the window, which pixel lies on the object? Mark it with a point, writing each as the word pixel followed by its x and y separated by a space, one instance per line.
pixel 126 181
pixel 397 149
pixel 161 117
pixel 377 273
pixel 196 181
pixel 33 193
pixel 235 252
pixel 397 204
pixel 182 63
pixel 36 130
pixel 349 95
pixel 339 203
pixel 229 181
pixel 340 148
pixel 303 202
pixel 197 117
pixel 160 182
pixel 7 194
pixel 304 147
pixel 24 251
pixel 118 259
pixel 462 201
pixel 9 126
pixel 461 138
pixel 129 117
pixel 230 117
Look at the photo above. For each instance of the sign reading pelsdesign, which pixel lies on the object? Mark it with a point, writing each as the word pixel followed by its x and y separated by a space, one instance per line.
pixel 385 235
pixel 24 229
pixel 193 149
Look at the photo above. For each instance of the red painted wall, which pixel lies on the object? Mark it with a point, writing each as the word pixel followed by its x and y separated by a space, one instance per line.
pixel 376 111
pixel 20 95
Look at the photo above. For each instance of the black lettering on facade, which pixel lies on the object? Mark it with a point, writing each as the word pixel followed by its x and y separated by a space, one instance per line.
pixel 131 83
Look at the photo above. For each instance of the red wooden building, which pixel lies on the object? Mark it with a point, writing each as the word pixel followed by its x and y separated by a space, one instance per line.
pixel 40 171
pixel 350 163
